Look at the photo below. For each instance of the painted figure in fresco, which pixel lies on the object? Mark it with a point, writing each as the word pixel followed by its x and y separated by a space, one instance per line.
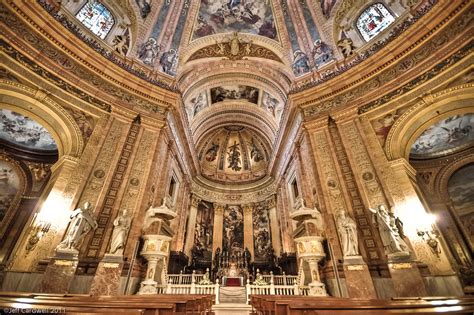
pixel 322 53
pixel 149 51
pixel 198 103
pixel 217 258
pixel 300 63
pixel 234 157
pixel 326 7
pixel 145 7
pixel 220 16
pixel 255 152
pixel 168 61
pixel 247 257
pixel 391 239
pixel 211 153
pixel 119 235
pixel 81 223
pixel 348 231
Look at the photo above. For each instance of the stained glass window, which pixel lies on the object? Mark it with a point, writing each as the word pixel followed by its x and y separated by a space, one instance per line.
pixel 96 17
pixel 373 20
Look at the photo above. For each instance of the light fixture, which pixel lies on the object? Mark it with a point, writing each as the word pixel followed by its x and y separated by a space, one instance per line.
pixel 38 230
pixel 429 234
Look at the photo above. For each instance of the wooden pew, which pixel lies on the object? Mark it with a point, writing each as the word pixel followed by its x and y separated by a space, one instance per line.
pixel 296 305
pixel 122 305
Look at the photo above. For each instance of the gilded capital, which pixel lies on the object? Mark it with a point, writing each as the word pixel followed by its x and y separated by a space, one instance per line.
pixel 195 201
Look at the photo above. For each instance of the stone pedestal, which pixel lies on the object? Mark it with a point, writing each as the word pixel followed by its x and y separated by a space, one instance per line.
pixel 108 275
pixel 358 280
pixel 406 277
pixel 60 272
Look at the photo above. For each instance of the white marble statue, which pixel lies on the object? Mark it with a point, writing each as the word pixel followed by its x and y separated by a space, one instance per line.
pixel 119 235
pixel 81 223
pixel 391 239
pixel 348 232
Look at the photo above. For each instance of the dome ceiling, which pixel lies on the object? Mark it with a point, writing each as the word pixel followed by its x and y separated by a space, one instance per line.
pixel 233 154
pixel 445 137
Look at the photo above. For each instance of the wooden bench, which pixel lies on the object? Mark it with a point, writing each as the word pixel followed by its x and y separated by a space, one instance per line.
pixel 122 305
pixel 296 305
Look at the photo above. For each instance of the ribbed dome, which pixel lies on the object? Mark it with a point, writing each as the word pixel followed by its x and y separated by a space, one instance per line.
pixel 234 154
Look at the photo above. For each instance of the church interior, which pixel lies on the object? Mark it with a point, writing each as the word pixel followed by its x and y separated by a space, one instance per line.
pixel 237 156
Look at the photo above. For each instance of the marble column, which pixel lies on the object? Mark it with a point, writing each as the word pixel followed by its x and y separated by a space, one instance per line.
pixel 217 229
pixel 248 228
pixel 275 229
pixel 188 245
pixel 60 272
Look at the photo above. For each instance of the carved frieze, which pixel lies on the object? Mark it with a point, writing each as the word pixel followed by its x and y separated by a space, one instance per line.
pixel 234 49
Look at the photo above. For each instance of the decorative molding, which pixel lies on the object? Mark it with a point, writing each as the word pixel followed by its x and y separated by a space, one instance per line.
pixel 233 198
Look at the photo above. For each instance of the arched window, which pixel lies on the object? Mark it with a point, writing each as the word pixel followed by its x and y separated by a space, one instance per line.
pixel 96 17
pixel 374 20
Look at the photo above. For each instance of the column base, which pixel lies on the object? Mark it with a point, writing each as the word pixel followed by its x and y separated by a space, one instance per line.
pixel 108 275
pixel 358 280
pixel 406 277
pixel 148 287
pixel 60 271
pixel 317 288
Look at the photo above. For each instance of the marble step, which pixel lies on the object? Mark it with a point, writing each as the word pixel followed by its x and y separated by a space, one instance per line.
pixel 232 309
pixel 233 295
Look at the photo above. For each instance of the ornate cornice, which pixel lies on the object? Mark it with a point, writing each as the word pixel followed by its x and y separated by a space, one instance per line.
pixel 308 81
pixel 45 74
pixel 109 55
pixel 231 197
pixel 348 95
pixel 78 69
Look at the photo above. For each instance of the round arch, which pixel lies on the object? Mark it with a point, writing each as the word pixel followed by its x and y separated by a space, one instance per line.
pixel 428 111
pixel 38 106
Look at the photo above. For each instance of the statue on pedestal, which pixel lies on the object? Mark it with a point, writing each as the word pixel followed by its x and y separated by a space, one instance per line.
pixel 348 232
pixel 391 239
pixel 81 223
pixel 119 235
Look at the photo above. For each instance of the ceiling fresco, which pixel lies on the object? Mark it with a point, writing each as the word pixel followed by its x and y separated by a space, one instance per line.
pixel 24 132
pixel 225 93
pixel 234 153
pixel 447 136
pixel 245 16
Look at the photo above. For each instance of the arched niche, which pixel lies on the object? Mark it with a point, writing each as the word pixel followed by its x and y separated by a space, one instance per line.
pixel 36 105
pixel 425 113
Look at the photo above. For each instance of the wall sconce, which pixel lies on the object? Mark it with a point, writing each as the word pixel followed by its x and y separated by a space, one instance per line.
pixel 38 230
pixel 430 236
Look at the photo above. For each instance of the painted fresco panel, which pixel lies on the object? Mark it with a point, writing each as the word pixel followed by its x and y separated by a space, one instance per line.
pixel 233 230
pixel 9 187
pixel 383 125
pixel 245 16
pixel 24 131
pixel 234 92
pixel 449 135
pixel 461 191
pixel 261 232
pixel 204 229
